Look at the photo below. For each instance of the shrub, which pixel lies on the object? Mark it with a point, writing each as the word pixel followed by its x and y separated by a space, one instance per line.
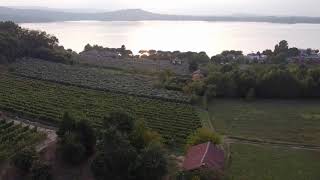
pixel 41 171
pixel 24 159
pixel 71 150
pixel 203 135
pixel 202 174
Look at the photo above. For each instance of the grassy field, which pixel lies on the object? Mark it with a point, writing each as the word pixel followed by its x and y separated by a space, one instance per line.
pixel 253 162
pixel 294 121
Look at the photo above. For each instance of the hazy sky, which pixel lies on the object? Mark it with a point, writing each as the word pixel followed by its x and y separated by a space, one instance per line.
pixel 265 7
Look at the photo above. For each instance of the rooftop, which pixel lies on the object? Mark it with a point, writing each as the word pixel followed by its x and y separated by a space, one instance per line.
pixel 204 155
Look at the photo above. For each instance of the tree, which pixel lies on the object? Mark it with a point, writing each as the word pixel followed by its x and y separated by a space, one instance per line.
pixel 41 171
pixel 86 136
pixel 218 59
pixel 279 83
pixel 225 85
pixel 126 152
pixel 77 139
pixel 193 66
pixel 88 47
pixel 152 163
pixel 282 47
pixel 142 136
pixel 203 135
pixel 195 87
pixel 165 77
pixel 152 52
pixel 211 92
pixel 232 52
pixel 202 58
pixel 309 52
pixel 251 94
pixel 202 174
pixel 24 159
pixel 245 80
pixel 66 125
pixel 121 121
pixel 267 52
pixel 115 158
pixel 293 52
pixel 71 150
pixel 16 42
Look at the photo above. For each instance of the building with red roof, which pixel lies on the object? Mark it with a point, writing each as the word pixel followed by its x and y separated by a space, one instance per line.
pixel 205 155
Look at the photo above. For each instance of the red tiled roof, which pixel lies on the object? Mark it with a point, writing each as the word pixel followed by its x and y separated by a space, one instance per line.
pixel 204 155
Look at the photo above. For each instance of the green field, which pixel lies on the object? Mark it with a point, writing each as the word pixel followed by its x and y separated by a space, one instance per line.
pixel 48 101
pixel 254 162
pixel 293 121
pixel 16 137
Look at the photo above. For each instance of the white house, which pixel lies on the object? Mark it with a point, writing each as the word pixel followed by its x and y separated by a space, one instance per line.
pixel 256 57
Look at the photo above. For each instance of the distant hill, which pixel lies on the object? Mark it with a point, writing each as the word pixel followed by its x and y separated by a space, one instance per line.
pixel 47 15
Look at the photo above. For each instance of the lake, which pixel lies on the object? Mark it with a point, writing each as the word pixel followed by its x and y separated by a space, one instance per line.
pixel 212 37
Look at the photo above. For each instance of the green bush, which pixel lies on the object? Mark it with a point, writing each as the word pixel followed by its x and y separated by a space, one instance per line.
pixel 41 171
pixel 71 150
pixel 24 159
pixel 203 135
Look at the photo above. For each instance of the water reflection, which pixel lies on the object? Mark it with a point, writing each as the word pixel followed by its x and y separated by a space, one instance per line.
pixel 212 37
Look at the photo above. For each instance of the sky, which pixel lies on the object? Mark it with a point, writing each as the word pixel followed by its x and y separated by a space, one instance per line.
pixel 194 7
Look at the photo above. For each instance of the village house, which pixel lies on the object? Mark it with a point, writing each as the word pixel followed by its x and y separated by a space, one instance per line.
pixel 197 75
pixel 206 155
pixel 176 61
pixel 256 57
pixel 102 54
pixel 306 55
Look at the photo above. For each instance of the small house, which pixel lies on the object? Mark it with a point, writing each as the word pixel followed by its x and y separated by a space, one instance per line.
pixel 176 61
pixel 256 57
pixel 206 155
pixel 197 75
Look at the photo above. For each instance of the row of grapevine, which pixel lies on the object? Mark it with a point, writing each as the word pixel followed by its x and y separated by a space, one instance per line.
pixel 48 101
pixel 16 137
pixel 99 79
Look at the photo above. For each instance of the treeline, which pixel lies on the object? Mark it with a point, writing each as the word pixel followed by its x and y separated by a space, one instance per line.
pixel 17 42
pixel 262 81
pixel 123 52
pixel 194 59
pixel 281 53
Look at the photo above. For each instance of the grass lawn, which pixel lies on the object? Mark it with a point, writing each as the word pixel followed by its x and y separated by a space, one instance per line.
pixel 254 162
pixel 295 121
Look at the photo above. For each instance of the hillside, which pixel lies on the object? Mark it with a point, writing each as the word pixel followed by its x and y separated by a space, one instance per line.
pixel 48 15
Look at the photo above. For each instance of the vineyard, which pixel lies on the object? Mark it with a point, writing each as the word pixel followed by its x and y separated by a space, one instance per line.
pixel 94 78
pixel 16 137
pixel 48 101
pixel 97 58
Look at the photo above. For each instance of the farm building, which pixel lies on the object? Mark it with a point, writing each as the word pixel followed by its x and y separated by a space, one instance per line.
pixel 205 155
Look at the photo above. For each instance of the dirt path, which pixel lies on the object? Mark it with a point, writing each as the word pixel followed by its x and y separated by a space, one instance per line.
pixel 232 140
